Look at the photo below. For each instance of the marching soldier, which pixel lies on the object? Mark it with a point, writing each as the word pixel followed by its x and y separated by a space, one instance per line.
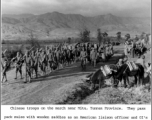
pixel 28 64
pixel 44 61
pixel 19 62
pixel 35 62
pixel 93 56
pixel 83 55
pixel 4 63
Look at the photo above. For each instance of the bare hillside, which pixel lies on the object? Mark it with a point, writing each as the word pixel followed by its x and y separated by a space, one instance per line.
pixel 43 26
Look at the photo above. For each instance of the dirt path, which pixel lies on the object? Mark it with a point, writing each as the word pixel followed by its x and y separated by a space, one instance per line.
pixel 17 92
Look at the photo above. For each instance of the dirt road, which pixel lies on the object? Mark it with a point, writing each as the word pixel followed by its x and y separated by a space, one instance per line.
pixel 17 92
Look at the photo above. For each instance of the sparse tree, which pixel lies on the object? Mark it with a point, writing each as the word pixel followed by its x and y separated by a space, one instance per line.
pixel 48 32
pixel 99 36
pixel 105 37
pixel 118 36
pixel 85 35
pixel 127 36
pixel 69 40
pixel 33 41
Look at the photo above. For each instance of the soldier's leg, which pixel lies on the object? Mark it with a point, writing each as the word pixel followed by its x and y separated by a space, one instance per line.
pixel 94 63
pixel 16 73
pixel 125 85
pixel 6 78
pixel 44 68
pixel 33 73
pixel 25 80
pixel 29 75
pixel 2 77
pixel 36 71
pixel 20 70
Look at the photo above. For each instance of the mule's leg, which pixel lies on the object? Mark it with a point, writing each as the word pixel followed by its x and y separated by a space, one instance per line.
pixel 92 86
pixel 127 81
pixel 136 81
pixel 125 85
pixel 141 78
pixel 121 82
pixel 99 85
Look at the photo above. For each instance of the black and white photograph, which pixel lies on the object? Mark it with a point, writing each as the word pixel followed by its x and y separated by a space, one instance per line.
pixel 63 52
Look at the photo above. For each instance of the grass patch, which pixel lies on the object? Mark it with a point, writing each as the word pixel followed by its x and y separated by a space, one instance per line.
pixel 139 95
pixel 72 93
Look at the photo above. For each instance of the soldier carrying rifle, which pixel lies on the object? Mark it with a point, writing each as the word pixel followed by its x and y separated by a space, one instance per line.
pixel 18 64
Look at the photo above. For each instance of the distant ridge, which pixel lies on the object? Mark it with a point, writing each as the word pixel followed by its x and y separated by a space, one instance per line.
pixel 59 25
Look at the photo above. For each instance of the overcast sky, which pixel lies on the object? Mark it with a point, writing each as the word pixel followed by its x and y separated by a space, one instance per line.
pixel 140 8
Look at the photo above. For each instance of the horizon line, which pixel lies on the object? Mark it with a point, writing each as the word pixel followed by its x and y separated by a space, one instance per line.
pixel 75 14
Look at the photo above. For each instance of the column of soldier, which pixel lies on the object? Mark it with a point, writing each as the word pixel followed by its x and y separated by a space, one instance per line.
pixel 46 60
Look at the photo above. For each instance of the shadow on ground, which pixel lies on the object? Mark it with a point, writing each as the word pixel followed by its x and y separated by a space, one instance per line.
pixel 74 70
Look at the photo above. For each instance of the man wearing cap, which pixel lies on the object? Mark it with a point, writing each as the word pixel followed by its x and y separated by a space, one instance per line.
pixel 83 55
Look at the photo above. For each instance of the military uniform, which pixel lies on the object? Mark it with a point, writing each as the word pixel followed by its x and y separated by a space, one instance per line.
pixel 93 56
pixel 5 66
pixel 28 66
pixel 18 64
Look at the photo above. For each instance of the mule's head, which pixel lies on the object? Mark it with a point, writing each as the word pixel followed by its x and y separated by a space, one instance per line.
pixel 114 69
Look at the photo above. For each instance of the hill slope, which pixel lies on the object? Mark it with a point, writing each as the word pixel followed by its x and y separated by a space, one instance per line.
pixel 58 25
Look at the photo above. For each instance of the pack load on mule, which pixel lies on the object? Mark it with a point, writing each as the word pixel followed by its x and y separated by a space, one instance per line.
pixel 106 70
pixel 132 66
